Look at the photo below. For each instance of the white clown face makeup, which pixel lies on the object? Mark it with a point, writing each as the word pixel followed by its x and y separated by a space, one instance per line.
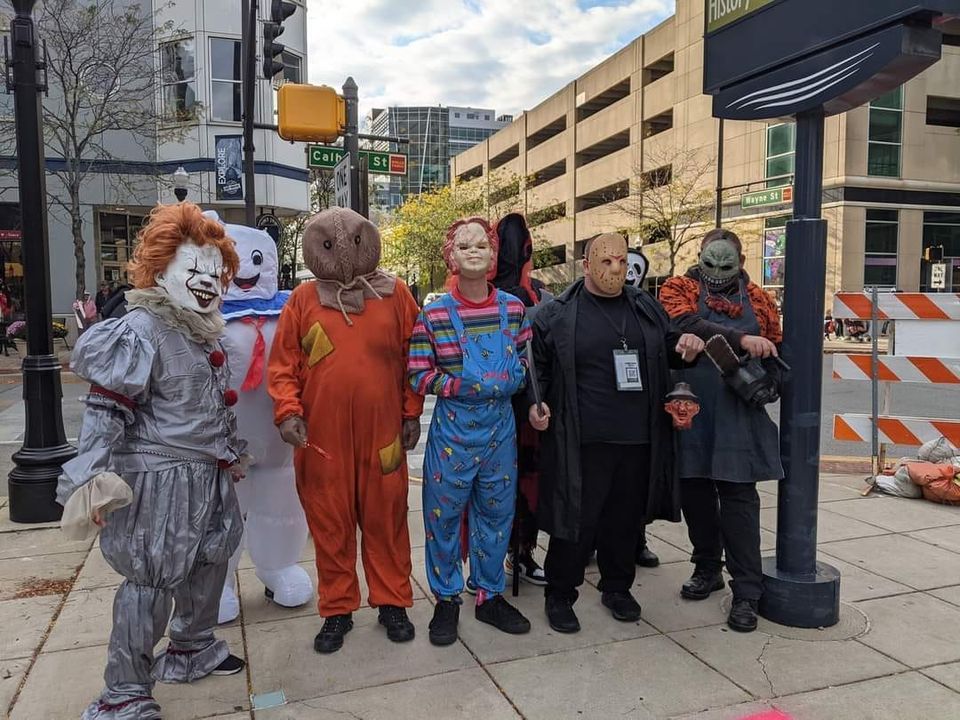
pixel 192 279
pixel 257 276
pixel 472 252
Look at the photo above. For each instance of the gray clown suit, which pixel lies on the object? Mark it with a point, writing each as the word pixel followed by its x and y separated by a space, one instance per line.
pixel 158 415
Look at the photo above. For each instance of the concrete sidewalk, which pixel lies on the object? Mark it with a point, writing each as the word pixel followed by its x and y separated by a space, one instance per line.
pixel 895 654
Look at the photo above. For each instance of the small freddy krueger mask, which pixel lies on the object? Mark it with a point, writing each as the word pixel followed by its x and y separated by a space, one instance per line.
pixel 606 263
pixel 192 279
pixel 682 405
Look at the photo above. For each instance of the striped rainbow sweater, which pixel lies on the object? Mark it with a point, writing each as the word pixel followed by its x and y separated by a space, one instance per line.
pixel 436 361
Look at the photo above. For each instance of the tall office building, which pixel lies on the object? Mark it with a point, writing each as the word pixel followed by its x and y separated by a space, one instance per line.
pixel 436 134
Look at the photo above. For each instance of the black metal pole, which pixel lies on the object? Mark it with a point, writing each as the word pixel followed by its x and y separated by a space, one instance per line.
pixel 364 178
pixel 248 96
pixel 33 482
pixel 719 212
pixel 351 140
pixel 798 590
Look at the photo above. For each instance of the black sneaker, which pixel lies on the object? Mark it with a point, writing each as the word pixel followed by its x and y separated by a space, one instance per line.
pixel 230 666
pixel 623 606
pixel 530 570
pixel 743 615
pixel 701 584
pixel 647 558
pixel 502 615
pixel 560 614
pixel 398 625
pixel 330 637
pixel 443 627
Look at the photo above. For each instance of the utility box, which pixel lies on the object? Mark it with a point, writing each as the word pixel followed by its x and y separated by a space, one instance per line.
pixel 310 113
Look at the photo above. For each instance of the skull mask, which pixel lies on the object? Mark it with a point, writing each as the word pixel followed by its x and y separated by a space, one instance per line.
pixel 719 264
pixel 192 279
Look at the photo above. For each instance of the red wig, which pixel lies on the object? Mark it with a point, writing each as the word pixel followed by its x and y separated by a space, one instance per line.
pixel 168 227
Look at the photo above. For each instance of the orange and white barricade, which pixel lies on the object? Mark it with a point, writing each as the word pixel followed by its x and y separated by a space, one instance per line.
pixel 925 349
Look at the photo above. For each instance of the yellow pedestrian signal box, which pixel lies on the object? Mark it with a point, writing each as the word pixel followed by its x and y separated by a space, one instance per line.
pixel 310 113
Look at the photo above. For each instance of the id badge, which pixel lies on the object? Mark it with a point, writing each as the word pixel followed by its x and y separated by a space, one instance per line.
pixel 627 365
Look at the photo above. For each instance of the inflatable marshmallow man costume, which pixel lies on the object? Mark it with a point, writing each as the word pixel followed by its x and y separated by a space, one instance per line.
pixel 276 530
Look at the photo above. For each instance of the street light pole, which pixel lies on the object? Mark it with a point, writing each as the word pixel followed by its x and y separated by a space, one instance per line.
pixel 33 482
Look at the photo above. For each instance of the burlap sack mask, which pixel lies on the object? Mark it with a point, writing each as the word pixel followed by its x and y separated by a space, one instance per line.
pixel 342 249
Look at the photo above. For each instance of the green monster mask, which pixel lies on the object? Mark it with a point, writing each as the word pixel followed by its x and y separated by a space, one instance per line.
pixel 719 264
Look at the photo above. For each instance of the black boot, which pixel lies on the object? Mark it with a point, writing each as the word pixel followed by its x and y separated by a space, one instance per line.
pixel 701 584
pixel 647 558
pixel 743 615
pixel 330 637
pixel 560 614
pixel 398 625
pixel 502 615
pixel 443 627
pixel 623 605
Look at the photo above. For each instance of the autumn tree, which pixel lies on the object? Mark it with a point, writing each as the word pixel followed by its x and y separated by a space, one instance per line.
pixel 103 78
pixel 413 234
pixel 669 202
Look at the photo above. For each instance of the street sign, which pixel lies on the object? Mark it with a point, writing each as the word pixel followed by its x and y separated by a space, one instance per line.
pixel 341 182
pixel 381 163
pixel 724 12
pixel 938 276
pixel 761 198
pixel 777 58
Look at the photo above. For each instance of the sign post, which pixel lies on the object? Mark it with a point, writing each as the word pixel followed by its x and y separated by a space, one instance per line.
pixel 938 276
pixel 828 57
pixel 341 182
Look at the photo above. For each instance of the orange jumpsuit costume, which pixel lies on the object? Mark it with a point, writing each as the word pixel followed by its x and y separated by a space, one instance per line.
pixel 344 372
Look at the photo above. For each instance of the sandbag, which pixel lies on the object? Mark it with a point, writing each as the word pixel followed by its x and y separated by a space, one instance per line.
pixel 937 451
pixel 938 482
pixel 898 484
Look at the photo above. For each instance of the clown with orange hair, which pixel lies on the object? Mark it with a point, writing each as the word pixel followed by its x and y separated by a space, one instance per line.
pixel 159 431
pixel 466 349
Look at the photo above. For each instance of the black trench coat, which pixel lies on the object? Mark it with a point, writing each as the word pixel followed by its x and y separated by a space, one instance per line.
pixel 554 347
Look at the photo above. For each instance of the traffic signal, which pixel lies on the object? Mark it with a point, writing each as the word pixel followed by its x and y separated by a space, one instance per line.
pixel 310 113
pixel 280 10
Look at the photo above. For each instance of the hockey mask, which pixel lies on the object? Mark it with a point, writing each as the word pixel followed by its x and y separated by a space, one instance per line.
pixel 606 263
pixel 637 267
pixel 682 405
pixel 257 276
pixel 719 264
pixel 192 279
pixel 472 254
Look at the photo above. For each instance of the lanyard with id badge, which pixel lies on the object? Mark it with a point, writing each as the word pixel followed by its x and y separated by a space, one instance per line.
pixel 626 360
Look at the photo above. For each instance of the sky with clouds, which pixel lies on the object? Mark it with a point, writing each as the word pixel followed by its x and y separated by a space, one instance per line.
pixel 502 54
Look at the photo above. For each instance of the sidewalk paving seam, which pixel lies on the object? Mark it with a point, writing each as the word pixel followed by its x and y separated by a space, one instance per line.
pixel 46 634
pixel 920 669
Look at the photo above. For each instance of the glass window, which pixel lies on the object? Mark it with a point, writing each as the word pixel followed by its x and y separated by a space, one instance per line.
pixel 225 60
pixel 178 80
pixel 880 249
pixel 781 140
pixel 886 130
pixel 774 250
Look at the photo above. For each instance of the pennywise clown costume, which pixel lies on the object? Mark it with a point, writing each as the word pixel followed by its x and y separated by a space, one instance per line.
pixel 275 526
pixel 337 375
pixel 158 416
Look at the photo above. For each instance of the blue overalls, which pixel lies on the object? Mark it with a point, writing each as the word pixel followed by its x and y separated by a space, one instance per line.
pixel 471 455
